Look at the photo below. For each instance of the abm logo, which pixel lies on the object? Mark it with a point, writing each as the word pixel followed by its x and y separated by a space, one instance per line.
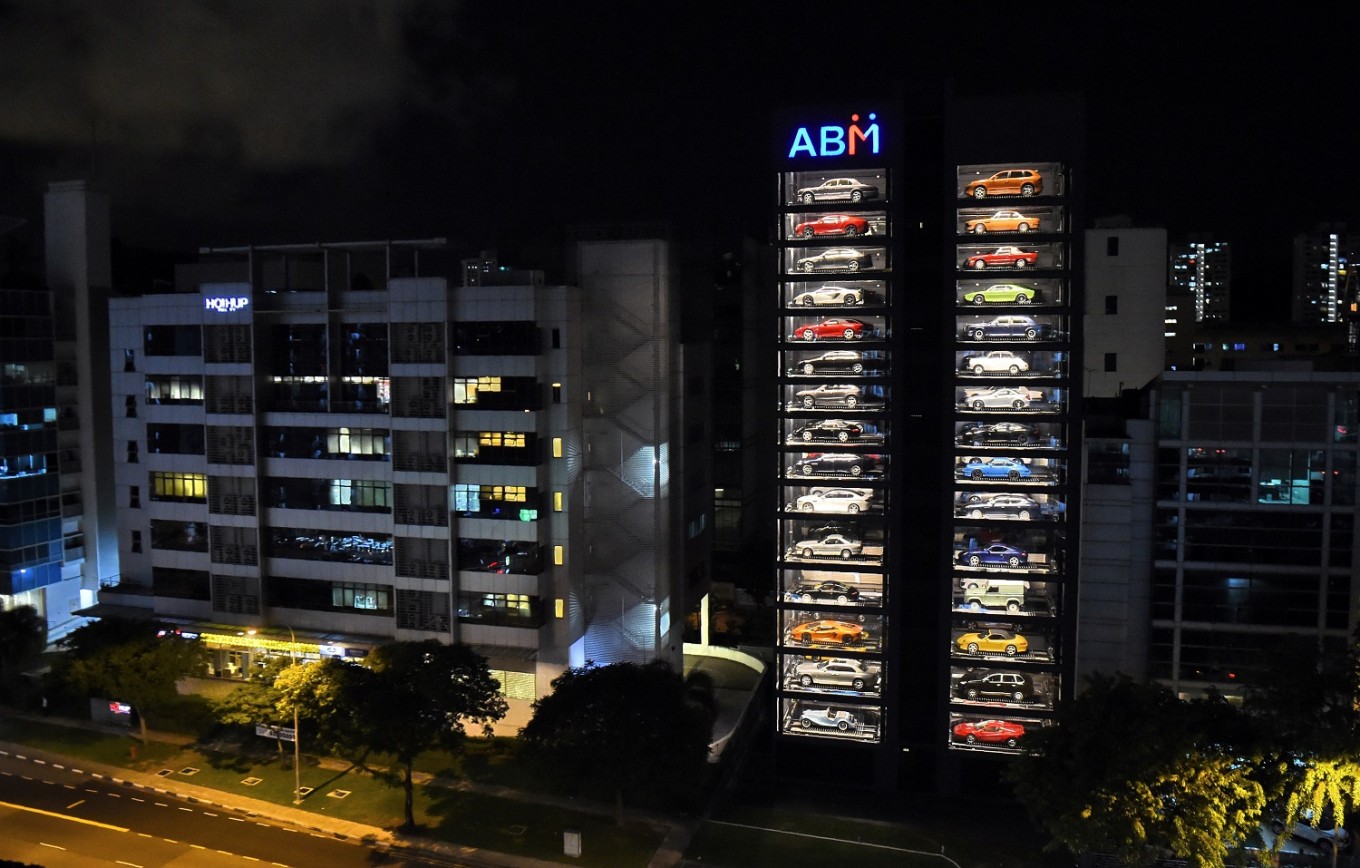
pixel 834 141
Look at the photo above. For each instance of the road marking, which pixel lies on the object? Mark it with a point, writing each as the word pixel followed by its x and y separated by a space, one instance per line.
pixel 7 774
pixel 53 846
pixel 129 864
pixel 62 816
pixel 226 852
pixel 208 814
pixel 56 766
pixel 27 778
pixel 69 786
pixel 236 819
pixel 88 790
pixel 114 795
pixel 73 804
pixel 251 858
pixel 161 804
pixel 198 846
pixel 143 835
pixel 135 799
pixel 20 756
pixel 190 810
pixel 171 840
pixel 40 762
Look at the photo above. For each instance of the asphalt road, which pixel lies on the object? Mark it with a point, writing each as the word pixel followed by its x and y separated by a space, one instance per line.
pixel 56 816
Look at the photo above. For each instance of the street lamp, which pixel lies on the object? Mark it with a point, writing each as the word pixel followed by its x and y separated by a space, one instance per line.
pixel 297 734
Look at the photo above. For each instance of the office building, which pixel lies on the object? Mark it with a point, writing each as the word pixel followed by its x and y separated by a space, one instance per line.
pixel 1202 269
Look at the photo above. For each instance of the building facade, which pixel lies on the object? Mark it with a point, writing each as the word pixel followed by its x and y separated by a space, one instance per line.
pixel 1201 268
pixel 1324 279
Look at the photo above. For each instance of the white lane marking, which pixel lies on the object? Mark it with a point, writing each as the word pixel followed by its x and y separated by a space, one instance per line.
pixel 53 846
pixel 73 804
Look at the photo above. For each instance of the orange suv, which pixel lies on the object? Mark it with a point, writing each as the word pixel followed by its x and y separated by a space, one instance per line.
pixel 1008 182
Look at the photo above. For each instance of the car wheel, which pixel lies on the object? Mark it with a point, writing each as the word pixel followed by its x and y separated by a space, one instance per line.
pixel 977 370
pixel 807 301
pixel 806 469
pixel 808 401
pixel 856 195
pixel 851 230
pixel 806 681
pixel 853 507
pixel 979 229
pixel 842 600
pixel 843 436
pixel 857 368
pixel 853 265
pixel 1031 334
pixel 979 263
pixel 1013 561
pixel 1276 826
pixel 846 554
pixel 847 639
pixel 807 435
pixel 807 598
pixel 977 298
pixel 1022 298
pixel 1023 515
pixel 809 369
pixel 807 553
pixel 971 739
pixel 976 474
pixel 806 639
pixel 843 725
pixel 979 192
pixel 974 561
pixel 1023 227
pixel 806 724
pixel 848 334
pixel 851 401
pixel 807 232
pixel 979 405
pixel 1013 474
pixel 1012 607
pixel 978 335
pixel 851 299
pixel 975 513
pixel 808 197
pixel 972 693
pixel 1019 263
pixel 1015 369
pixel 808 266
pixel 858 684
pixel 1010 742
pixel 807 507
pixel 1018 696
pixel 1018 404
pixel 974 606
pixel 856 470
pixel 809 335
pixel 972 648
pixel 1011 650
pixel 1027 190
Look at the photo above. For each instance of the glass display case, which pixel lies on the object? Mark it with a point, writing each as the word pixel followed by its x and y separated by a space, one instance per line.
pixel 840 464
pixel 866 431
pixel 1009 504
pixel 816 716
pixel 814 189
pixel 833 499
pixel 1018 257
pixel 992 471
pixel 849 632
pixel 1010 397
pixel 1022 218
pixel 832 585
pixel 993 734
pixel 842 397
pixel 832 674
pixel 835 363
pixel 838 329
pixel 993 181
pixel 1026 291
pixel 1011 594
pixel 1017 364
pixel 848 257
pixel 1010 327
pixel 836 294
pixel 1027 435
pixel 837 225
pixel 985 641
pixel 1002 687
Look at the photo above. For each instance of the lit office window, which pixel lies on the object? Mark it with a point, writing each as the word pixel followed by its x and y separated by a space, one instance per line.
pixel 559 555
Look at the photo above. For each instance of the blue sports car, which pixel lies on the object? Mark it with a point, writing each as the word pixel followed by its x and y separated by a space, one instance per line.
pixel 998 553
pixel 995 468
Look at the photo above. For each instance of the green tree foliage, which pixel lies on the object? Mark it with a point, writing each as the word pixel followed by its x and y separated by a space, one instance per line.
pixel 128 661
pixel 635 732
pixel 23 636
pixel 1130 770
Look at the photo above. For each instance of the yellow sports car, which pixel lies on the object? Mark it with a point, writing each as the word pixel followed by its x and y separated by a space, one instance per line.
pixel 993 642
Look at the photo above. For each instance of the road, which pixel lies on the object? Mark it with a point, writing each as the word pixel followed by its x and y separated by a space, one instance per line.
pixel 58 816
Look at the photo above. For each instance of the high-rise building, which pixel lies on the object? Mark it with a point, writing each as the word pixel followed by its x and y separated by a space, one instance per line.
pixel 1324 282
pixel 1202 269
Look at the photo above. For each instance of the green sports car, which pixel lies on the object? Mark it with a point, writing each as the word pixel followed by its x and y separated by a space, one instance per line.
pixel 1002 293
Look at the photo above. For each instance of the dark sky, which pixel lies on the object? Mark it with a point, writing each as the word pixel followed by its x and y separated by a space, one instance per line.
pixel 230 121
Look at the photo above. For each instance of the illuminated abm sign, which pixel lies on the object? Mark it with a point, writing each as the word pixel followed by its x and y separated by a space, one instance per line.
pixel 836 141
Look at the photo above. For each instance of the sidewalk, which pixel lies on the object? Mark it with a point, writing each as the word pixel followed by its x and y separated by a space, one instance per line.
pixel 669 854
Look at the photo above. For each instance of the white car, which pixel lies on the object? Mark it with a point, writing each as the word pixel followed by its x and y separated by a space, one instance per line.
pixel 988 399
pixel 996 362
pixel 833 545
pixel 837 500
pixel 836 673
pixel 831 395
pixel 830 295
pixel 1325 839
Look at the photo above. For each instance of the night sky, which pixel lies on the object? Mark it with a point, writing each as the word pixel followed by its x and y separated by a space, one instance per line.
pixel 239 121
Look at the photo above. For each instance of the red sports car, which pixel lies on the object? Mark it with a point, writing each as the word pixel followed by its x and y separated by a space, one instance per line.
pixel 833 224
pixel 1002 257
pixel 833 329
pixel 1004 732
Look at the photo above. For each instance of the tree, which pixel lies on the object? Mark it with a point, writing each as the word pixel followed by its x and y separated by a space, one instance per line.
pixel 1130 770
pixel 416 696
pixel 137 662
pixel 254 702
pixel 633 731
pixel 23 636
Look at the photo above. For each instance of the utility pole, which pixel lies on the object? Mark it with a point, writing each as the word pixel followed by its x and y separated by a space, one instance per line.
pixel 297 733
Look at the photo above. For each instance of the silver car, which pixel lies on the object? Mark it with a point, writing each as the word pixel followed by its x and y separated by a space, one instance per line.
pixel 837 673
pixel 832 545
pixel 831 395
pixel 1002 397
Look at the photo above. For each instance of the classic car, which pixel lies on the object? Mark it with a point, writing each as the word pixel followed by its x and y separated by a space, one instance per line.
pixel 1017 506
pixel 837 259
pixel 1002 257
pixel 832 329
pixel 828 718
pixel 834 295
pixel 1006 732
pixel 1008 182
pixel 995 362
pixel 833 362
pixel 824 592
pixel 1014 327
pixel 1002 221
pixel 839 632
pixel 833 224
pixel 836 464
pixel 830 395
pixel 1001 293
pixel 994 468
pixel 998 434
pixel 994 641
pixel 838 500
pixel 841 430
pixel 1005 594
pixel 984 684
pixel 1002 396
pixel 836 673
pixel 833 545
pixel 997 553
pixel 838 190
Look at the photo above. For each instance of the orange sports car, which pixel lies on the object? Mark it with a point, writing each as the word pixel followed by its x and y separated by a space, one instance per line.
pixel 840 632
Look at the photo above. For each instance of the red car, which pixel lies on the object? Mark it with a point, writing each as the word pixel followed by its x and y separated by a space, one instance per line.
pixel 1002 257
pixel 834 329
pixel 833 224
pixel 1004 732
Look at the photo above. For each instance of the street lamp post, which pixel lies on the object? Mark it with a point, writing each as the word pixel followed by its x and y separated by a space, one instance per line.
pixel 297 734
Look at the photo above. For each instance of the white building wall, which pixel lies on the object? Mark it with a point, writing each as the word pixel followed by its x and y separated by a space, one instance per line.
pixel 1134 275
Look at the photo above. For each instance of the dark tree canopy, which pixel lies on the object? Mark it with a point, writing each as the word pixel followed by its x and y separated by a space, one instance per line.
pixel 23 636
pixel 636 732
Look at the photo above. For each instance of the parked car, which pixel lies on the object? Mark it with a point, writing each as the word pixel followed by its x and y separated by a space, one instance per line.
pixel 1325 836
pixel 1001 293
pixel 998 434
pixel 836 673
pixel 1002 221
pixel 1008 182
pixel 836 464
pixel 830 395
pixel 832 329
pixel 833 224
pixel 996 594
pixel 830 295
pixel 994 468
pixel 824 592
pixel 833 362
pixel 833 545
pixel 997 553
pixel 836 500
pixel 838 190
pixel 1006 732
pixel 1013 327
pixel 840 430
pixel 1018 506
pixel 984 684
pixel 995 362
pixel 837 259
pixel 993 641
pixel 999 397
pixel 828 718
pixel 839 632
pixel 1002 257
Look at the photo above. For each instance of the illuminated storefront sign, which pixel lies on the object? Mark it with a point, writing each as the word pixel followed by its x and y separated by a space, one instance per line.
pixel 835 141
pixel 260 643
pixel 233 303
